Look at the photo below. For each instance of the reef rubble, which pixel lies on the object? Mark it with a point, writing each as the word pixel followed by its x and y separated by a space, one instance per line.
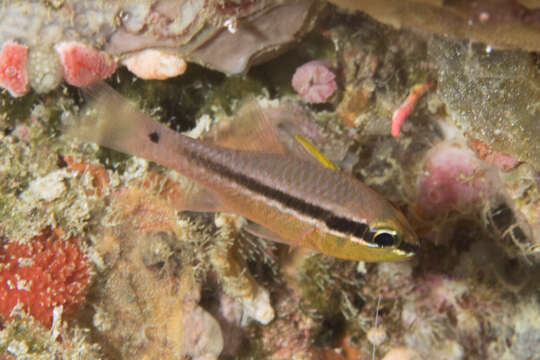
pixel 46 42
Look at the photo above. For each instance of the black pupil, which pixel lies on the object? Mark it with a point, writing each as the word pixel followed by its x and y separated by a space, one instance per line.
pixel 384 239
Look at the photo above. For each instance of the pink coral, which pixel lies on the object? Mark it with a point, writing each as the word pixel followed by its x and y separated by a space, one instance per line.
pixel 314 82
pixel 84 65
pixel 13 74
pixel 452 178
pixel 41 275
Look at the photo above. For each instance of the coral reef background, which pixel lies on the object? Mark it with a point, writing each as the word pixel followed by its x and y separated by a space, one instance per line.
pixel 97 263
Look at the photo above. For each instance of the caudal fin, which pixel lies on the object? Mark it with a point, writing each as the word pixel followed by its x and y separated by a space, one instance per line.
pixel 111 121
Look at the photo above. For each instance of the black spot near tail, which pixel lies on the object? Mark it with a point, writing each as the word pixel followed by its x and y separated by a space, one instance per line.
pixel 154 137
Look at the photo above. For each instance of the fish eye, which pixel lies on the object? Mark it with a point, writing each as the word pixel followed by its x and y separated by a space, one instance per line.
pixel 386 237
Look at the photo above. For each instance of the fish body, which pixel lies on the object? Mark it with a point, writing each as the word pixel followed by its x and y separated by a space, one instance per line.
pixel 292 199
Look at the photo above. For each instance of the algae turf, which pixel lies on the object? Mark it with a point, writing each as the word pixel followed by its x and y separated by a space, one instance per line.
pixel 492 96
pixel 331 286
pixel 32 154
pixel 23 338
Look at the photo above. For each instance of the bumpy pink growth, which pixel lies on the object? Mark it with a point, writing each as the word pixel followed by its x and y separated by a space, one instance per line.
pixel 84 65
pixel 453 178
pixel 314 82
pixel 13 75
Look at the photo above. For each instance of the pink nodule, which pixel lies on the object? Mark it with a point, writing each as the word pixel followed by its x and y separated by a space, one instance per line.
pixel 314 82
pixel 13 74
pixel 453 178
pixel 84 65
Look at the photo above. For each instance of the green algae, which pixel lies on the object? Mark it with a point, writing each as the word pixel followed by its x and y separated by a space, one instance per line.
pixel 493 96
pixel 13 109
pixel 176 101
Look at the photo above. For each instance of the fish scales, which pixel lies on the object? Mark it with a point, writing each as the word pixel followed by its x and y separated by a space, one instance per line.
pixel 277 182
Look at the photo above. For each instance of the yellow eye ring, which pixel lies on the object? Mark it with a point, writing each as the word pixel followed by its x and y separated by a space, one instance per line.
pixel 384 237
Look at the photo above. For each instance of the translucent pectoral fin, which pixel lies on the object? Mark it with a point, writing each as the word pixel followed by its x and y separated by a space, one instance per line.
pixel 260 231
pixel 203 201
pixel 186 195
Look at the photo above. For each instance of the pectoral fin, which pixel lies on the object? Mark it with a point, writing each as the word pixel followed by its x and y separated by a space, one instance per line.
pixel 184 194
pixel 203 200
pixel 260 231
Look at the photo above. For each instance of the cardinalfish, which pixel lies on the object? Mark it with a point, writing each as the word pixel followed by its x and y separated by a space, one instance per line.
pixel 299 198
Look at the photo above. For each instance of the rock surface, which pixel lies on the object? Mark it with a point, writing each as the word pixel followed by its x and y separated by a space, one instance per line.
pixel 228 36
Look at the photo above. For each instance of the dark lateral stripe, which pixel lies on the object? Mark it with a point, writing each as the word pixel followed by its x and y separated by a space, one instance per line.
pixel 334 222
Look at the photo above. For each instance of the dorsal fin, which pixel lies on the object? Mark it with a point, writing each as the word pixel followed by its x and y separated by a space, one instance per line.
pixel 280 128
pixel 250 129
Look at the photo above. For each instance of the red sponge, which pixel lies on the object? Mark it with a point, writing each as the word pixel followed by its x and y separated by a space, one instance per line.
pixel 13 74
pixel 42 274
pixel 84 65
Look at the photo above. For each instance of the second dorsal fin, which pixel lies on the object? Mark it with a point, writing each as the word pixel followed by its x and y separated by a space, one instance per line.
pixel 271 127
pixel 250 129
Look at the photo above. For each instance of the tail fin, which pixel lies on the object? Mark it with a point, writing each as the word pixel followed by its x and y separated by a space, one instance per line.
pixel 112 121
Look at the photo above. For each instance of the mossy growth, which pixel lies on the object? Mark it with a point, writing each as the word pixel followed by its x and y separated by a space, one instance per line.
pixel 30 151
pixel 23 336
pixel 180 101
pixel 252 349
pixel 12 110
pixel 24 339
pixel 192 251
pixel 258 255
pixel 176 101
pixel 490 95
pixel 332 291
